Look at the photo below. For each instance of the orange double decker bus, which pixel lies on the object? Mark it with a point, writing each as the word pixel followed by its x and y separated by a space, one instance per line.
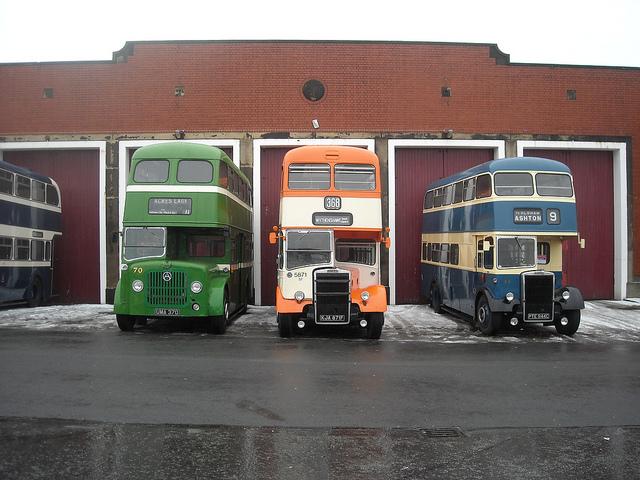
pixel 329 240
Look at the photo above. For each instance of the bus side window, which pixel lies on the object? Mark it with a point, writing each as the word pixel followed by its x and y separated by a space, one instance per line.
pixel 6 247
pixel 457 192
pixel 544 253
pixel 448 195
pixel 483 186
pixel 435 252
pixel 280 253
pixel 424 251
pixel 429 251
pixel 224 175
pixel 454 254
pixel 428 200
pixel 469 189
pixel 444 253
pixel 23 187
pixel 479 262
pixel 6 182
pixel 437 198
pixel 488 254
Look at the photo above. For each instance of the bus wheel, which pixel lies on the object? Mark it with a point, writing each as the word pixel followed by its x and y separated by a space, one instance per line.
pixel 436 299
pixel 125 322
pixel 487 321
pixel 218 323
pixel 573 319
pixel 36 293
pixel 375 321
pixel 285 325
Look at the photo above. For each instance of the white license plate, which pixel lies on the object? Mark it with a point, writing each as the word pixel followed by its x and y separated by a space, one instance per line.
pixel 167 312
pixel 538 316
pixel 332 318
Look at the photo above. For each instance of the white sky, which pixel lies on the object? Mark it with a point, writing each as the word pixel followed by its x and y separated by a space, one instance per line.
pixel 584 32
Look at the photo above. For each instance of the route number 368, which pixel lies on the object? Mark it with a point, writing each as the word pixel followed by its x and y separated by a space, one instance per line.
pixel 332 203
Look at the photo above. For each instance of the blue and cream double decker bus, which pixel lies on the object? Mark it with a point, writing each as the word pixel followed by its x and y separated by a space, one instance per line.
pixel 30 221
pixel 187 249
pixel 492 244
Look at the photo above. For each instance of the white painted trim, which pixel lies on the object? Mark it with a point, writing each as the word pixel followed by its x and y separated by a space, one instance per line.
pixel 498 147
pixel 188 189
pixel 258 145
pixel 620 207
pixel 102 173
pixel 123 164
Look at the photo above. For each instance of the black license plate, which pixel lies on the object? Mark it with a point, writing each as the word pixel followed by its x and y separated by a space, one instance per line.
pixel 167 312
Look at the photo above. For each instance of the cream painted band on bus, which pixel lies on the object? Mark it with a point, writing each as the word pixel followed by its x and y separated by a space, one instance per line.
pixel 188 189
pixel 353 212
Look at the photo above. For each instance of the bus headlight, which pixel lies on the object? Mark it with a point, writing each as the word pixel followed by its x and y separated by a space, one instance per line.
pixel 124 267
pixel 566 295
pixel 364 296
pixel 137 285
pixel 196 287
pixel 299 296
pixel 509 297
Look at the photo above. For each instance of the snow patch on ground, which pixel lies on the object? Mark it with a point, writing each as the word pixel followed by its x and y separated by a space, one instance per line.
pixel 602 322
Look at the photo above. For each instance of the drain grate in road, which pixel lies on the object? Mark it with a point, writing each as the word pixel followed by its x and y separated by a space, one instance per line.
pixel 448 432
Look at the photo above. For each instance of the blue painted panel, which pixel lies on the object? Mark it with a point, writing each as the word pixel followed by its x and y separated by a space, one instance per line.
pixel 15 282
pixel 18 215
pixel 497 216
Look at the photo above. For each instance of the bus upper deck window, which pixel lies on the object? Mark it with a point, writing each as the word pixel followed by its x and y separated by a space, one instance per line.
pixel 309 176
pixel 483 186
pixel 469 189
pixel 438 197
pixel 457 192
pixel 23 186
pixel 513 184
pixel 448 195
pixel 38 191
pixel 428 200
pixel 152 171
pixel 195 171
pixel 6 182
pixel 52 195
pixel 554 185
pixel 355 177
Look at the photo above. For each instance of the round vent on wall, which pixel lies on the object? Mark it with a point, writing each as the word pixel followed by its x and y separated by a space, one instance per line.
pixel 313 90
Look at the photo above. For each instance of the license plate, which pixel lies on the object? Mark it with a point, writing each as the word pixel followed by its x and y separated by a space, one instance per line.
pixel 538 316
pixel 167 312
pixel 332 318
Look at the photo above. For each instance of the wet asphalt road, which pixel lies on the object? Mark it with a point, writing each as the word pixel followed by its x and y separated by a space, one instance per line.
pixel 158 405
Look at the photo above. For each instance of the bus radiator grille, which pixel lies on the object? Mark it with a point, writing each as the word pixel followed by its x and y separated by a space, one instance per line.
pixel 169 293
pixel 332 297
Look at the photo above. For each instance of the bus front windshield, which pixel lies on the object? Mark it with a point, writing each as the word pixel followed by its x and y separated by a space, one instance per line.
pixel 144 242
pixel 306 248
pixel 516 252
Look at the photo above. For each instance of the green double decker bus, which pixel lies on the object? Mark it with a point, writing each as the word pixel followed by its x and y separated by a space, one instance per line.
pixel 187 242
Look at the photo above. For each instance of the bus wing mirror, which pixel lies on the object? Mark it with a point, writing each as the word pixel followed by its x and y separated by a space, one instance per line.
pixel 486 246
pixel 582 243
pixel 387 242
pixel 273 237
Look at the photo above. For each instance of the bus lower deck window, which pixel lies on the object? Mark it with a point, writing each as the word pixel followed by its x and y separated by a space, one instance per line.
pixel 22 249
pixel 205 246
pixel 356 252
pixel 6 248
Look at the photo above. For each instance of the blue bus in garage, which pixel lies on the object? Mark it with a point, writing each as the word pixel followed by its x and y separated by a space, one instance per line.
pixel 30 223
pixel 492 242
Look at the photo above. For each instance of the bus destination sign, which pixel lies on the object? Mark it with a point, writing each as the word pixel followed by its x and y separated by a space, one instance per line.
pixel 170 206
pixel 334 219
pixel 532 216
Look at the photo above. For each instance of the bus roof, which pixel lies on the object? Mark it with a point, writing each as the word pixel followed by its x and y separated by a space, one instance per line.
pixel 331 154
pixel 24 171
pixel 505 164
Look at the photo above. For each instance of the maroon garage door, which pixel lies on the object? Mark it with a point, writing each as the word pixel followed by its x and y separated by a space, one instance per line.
pixel 415 169
pixel 270 177
pixel 591 269
pixel 77 256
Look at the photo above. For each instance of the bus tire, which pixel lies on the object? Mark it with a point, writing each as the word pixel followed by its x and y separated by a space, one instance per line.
pixel 436 299
pixel 375 321
pixel 36 293
pixel 487 321
pixel 126 322
pixel 218 323
pixel 285 325
pixel 570 328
